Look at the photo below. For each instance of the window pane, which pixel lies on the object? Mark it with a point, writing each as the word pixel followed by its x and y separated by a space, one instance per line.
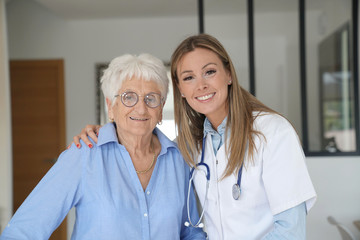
pixel 330 83
pixel 276 24
pixel 227 21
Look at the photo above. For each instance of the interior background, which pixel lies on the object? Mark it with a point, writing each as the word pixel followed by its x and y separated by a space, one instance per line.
pixel 30 30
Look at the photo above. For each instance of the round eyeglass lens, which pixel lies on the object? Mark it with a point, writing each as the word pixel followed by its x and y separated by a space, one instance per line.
pixel 152 100
pixel 129 99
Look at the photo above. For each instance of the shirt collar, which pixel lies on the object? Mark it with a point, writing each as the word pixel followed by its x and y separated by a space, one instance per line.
pixel 208 129
pixel 108 134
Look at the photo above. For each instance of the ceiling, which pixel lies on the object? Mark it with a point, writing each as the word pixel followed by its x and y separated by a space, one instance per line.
pixel 97 9
pixel 90 9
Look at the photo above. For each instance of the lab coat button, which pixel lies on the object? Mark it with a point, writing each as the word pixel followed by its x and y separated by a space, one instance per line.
pixel 148 192
pixel 145 214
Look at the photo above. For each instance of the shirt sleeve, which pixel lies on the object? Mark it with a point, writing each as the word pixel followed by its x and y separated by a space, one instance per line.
pixel 290 224
pixel 286 179
pixel 190 232
pixel 48 204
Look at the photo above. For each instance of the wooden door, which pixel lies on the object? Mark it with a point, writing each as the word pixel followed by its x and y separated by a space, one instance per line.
pixel 38 124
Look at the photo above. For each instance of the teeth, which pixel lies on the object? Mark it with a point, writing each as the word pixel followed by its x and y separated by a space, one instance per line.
pixel 206 97
pixel 139 119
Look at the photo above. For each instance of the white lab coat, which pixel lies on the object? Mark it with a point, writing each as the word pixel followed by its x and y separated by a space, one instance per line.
pixel 277 180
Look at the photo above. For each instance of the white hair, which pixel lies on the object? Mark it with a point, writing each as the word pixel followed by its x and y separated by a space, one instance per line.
pixel 144 66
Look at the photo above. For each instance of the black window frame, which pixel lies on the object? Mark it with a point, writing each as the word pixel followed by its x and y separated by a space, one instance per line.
pixel 303 78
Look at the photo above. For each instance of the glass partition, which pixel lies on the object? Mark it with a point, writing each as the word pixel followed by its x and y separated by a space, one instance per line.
pixel 330 81
pixel 227 21
pixel 276 35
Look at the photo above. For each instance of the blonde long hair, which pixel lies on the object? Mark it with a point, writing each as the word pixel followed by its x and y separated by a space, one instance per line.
pixel 242 105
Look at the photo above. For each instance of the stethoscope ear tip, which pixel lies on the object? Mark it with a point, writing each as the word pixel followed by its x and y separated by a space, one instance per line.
pixel 200 225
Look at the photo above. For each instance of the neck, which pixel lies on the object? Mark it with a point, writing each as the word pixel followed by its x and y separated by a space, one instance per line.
pixel 216 118
pixel 137 145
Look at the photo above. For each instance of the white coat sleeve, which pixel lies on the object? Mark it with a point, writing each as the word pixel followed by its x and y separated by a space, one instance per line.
pixel 286 179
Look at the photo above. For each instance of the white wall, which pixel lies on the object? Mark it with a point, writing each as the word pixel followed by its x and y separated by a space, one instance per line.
pixel 5 127
pixel 337 183
pixel 35 33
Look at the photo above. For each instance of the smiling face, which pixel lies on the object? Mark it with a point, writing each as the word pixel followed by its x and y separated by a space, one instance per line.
pixel 204 82
pixel 139 120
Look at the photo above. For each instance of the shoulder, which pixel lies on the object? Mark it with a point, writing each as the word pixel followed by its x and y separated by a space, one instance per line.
pixel 271 124
pixel 169 148
pixel 166 144
pixel 107 133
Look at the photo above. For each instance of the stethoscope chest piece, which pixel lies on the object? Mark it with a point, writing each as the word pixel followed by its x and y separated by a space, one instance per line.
pixel 236 191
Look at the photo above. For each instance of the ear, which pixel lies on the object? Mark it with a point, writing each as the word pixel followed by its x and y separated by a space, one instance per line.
pixel 179 89
pixel 229 75
pixel 160 117
pixel 110 109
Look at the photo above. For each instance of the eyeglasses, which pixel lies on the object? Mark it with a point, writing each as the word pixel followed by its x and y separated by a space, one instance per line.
pixel 130 99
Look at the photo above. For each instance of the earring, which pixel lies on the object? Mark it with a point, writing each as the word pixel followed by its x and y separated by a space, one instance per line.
pixel 230 82
pixel 159 123
pixel 111 119
pixel 182 95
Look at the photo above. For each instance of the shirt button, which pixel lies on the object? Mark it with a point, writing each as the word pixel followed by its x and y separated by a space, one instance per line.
pixel 145 214
pixel 148 192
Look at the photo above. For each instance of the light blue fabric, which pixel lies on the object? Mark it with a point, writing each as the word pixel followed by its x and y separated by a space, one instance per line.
pixel 110 202
pixel 290 224
pixel 217 137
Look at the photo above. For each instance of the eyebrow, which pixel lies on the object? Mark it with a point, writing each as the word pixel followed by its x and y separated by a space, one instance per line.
pixel 189 71
pixel 210 63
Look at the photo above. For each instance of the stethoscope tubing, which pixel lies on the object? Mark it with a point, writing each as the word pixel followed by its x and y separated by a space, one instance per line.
pixel 202 163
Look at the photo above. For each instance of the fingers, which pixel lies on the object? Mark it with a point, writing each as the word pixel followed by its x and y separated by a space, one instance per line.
pixel 76 140
pixel 93 136
pixel 97 129
pixel 90 131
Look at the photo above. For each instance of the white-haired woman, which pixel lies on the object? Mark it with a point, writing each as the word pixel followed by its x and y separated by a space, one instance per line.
pixel 132 184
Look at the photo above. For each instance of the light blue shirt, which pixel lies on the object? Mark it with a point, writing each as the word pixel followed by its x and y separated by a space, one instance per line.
pixel 102 184
pixel 289 224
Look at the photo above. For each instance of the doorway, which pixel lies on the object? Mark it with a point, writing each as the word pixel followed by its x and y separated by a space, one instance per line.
pixel 38 124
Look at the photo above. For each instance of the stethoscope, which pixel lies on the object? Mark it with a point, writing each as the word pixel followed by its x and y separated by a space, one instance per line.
pixel 236 188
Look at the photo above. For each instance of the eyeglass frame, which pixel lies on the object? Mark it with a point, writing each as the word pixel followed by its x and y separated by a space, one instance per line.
pixel 137 98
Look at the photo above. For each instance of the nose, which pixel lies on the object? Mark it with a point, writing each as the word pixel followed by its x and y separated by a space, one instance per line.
pixel 141 106
pixel 202 84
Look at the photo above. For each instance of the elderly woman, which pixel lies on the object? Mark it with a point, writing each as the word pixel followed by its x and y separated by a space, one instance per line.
pixel 133 184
